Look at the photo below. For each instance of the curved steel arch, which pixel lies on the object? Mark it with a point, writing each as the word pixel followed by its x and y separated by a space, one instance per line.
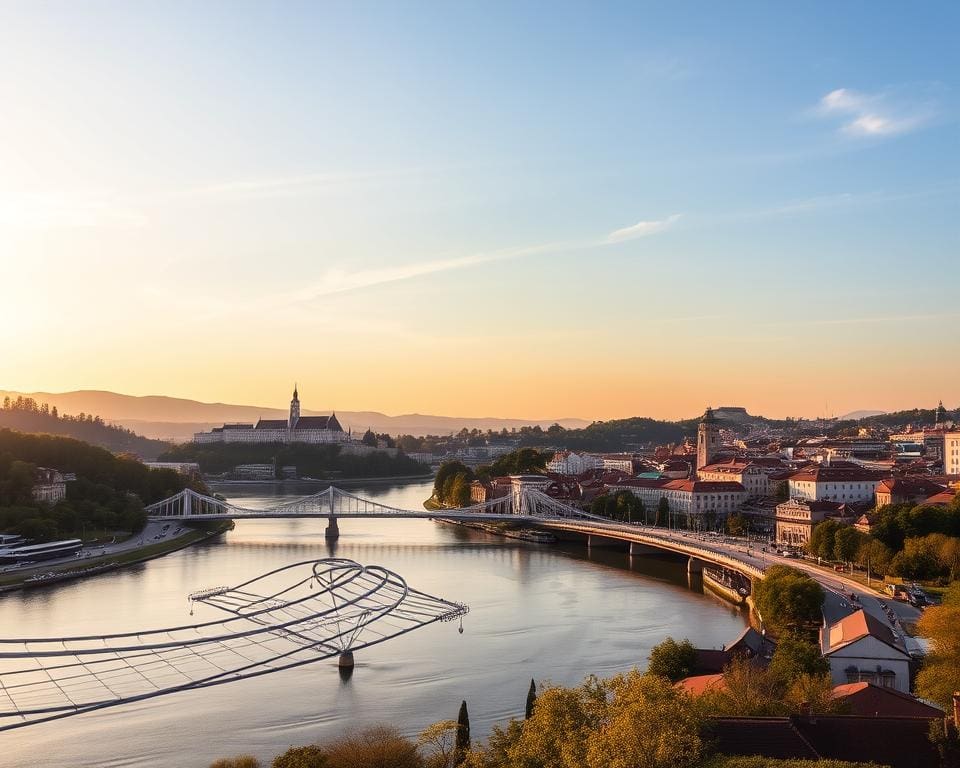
pixel 333 605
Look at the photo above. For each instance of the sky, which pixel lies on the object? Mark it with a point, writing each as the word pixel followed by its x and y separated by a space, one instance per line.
pixel 524 210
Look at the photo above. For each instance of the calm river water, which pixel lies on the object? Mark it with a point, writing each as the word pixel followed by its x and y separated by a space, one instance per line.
pixel 536 611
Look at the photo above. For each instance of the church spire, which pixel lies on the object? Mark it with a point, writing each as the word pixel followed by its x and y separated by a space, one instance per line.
pixel 295 396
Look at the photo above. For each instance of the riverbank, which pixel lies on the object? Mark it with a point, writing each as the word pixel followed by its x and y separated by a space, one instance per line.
pixel 319 481
pixel 57 573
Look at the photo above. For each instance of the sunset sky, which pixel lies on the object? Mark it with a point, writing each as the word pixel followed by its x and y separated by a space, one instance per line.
pixel 521 210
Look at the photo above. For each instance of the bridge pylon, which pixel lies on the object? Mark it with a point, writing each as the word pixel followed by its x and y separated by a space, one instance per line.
pixel 332 532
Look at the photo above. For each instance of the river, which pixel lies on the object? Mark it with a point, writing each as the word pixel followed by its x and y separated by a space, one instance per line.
pixel 549 612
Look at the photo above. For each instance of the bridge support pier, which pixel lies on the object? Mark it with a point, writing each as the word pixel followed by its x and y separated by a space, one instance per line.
pixel 345 660
pixel 694 565
pixel 332 532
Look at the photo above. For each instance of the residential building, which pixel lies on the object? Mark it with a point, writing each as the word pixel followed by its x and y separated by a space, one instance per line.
pixel 834 483
pixel 49 485
pixel 862 648
pixel 905 490
pixel 951 454
pixel 896 742
pixel 295 429
pixel 570 463
pixel 687 497
pixel 871 700
pixel 796 518
pixel 753 474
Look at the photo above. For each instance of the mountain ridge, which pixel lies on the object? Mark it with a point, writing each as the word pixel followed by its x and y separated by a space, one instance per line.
pixel 175 418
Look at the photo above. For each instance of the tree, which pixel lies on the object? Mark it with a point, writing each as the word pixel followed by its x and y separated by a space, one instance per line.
pixel 369 438
pixel 463 733
pixel 846 542
pixel 874 555
pixel 822 539
pixel 781 492
pixel 531 699
pixel 241 761
pixel 788 600
pixel 672 660
pixel 737 524
pixel 940 675
pixel 663 508
pixel 379 745
pixel 646 724
pixel 795 657
pixel 439 742
pixel 309 756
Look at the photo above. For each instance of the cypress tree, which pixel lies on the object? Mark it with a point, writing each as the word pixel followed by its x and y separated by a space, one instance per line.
pixel 531 699
pixel 463 734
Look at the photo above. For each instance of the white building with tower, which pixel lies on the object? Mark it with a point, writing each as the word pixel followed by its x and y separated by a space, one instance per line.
pixel 294 429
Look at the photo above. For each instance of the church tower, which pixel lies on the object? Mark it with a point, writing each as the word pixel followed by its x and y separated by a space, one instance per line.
pixel 294 410
pixel 708 439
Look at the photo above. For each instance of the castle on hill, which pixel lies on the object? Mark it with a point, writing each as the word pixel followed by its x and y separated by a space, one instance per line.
pixel 295 429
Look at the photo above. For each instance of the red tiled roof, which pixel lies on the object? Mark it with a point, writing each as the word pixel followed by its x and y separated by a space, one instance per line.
pixel 696 685
pixel 831 474
pixel 871 700
pixel 856 626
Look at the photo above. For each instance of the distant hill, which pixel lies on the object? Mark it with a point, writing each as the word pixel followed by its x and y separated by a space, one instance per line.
pixel 173 418
pixel 857 415
pixel 26 414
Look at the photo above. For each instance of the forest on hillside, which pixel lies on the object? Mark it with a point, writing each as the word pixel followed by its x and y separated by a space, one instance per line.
pixel 27 415
pixel 109 492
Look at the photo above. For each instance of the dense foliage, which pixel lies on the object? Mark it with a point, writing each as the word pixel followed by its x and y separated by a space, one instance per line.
pixel 940 674
pixel 788 600
pixel 451 486
pixel 672 660
pixel 914 542
pixel 320 461
pixel 27 415
pixel 620 505
pixel 108 494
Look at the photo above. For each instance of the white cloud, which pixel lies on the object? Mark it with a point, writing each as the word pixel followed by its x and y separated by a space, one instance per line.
pixel 336 281
pixel 872 114
pixel 641 229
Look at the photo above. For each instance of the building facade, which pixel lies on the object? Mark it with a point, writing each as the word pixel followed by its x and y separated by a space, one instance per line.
pixel 796 518
pixel 49 485
pixel 295 429
pixel 951 454
pixel 827 483
pixel 861 648
pixel 686 497
pixel 570 463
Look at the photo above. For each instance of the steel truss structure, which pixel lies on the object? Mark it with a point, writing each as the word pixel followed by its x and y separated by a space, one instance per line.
pixel 295 615
pixel 334 502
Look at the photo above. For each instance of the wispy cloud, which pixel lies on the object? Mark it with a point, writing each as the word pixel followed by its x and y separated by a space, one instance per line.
pixel 342 280
pixel 641 229
pixel 875 115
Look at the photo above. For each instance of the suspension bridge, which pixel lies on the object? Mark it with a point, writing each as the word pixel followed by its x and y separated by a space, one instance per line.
pixel 526 506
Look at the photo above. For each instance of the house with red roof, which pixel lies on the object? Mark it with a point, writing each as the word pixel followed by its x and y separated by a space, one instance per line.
pixel 863 648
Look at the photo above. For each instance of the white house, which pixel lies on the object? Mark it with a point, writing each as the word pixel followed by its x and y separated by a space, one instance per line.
pixel 862 648
pixel 570 463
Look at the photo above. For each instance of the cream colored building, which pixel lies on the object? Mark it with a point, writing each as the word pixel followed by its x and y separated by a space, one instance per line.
pixel 951 453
